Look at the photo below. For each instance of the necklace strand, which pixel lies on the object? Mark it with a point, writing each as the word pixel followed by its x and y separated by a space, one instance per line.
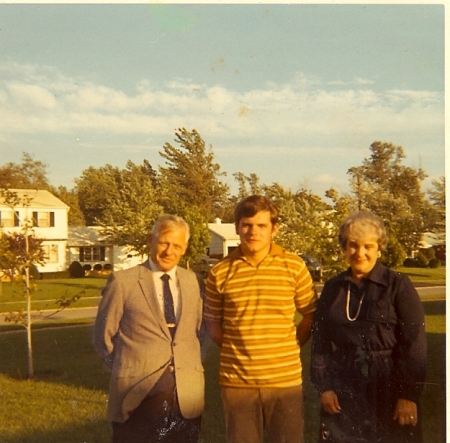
pixel 347 311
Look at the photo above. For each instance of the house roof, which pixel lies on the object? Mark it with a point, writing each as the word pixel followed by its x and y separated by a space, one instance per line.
pixel 227 231
pixel 85 236
pixel 39 199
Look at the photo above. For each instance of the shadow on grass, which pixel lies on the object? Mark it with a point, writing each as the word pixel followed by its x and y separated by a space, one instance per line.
pixel 435 307
pixel 92 432
pixel 66 356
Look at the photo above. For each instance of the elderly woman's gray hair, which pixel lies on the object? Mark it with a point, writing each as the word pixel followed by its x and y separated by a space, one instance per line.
pixel 355 224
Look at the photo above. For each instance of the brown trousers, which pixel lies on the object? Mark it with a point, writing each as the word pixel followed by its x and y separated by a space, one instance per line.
pixel 278 410
pixel 158 418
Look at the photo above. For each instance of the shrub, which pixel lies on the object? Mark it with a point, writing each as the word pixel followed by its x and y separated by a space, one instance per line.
pixel 87 267
pixel 76 270
pixel 411 263
pixel 434 263
pixel 422 259
pixel 107 267
pixel 98 267
pixel 34 273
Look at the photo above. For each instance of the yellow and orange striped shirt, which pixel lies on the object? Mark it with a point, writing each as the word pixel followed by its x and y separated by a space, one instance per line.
pixel 256 306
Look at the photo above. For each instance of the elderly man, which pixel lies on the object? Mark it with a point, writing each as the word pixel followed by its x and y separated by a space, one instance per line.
pixel 250 304
pixel 147 331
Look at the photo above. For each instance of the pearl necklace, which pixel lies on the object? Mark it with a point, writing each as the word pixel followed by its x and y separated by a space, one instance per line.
pixel 347 310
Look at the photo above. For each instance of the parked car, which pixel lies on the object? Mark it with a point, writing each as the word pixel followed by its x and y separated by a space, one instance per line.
pixel 314 266
pixel 204 265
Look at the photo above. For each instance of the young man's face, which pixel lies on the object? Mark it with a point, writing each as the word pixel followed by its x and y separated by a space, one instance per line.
pixel 256 233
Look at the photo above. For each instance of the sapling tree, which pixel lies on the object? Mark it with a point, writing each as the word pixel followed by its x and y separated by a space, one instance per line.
pixel 20 252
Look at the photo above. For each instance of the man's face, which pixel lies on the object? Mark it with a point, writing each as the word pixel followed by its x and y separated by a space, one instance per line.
pixel 167 249
pixel 256 233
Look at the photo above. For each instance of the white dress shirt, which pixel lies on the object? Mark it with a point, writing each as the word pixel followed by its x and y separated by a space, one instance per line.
pixel 174 287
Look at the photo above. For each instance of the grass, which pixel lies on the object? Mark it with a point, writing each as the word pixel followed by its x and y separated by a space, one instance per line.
pixel 435 276
pixel 66 402
pixel 48 291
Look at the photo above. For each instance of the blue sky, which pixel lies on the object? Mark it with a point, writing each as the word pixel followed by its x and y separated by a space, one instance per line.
pixel 295 93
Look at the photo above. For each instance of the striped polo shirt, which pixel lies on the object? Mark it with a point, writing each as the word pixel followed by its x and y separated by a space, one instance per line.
pixel 256 306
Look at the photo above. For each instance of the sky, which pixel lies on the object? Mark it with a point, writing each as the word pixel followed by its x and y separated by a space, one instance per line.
pixel 295 93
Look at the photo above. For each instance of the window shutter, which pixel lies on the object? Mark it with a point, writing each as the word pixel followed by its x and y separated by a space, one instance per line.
pixel 16 218
pixel 81 253
pixel 52 219
pixel 102 253
pixel 35 219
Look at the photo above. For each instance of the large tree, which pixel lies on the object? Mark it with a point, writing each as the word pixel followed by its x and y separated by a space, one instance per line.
pixel 384 185
pixel 132 208
pixel 191 176
pixel 301 214
pixel 70 198
pixel 30 174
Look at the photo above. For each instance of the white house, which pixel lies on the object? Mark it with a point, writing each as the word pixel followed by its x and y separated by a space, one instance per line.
pixel 223 238
pixel 48 216
pixel 88 246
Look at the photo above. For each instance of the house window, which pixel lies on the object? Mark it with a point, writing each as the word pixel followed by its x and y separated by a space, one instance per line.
pixel 44 219
pixel 9 219
pixel 92 253
pixel 51 253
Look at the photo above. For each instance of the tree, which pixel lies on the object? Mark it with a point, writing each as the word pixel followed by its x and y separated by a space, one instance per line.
pixel 20 252
pixel 96 189
pixel 437 196
pixel 191 176
pixel 382 184
pixel 132 208
pixel 70 198
pixel 302 230
pixel 30 174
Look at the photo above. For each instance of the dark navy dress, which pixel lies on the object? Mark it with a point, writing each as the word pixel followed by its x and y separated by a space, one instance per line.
pixel 370 353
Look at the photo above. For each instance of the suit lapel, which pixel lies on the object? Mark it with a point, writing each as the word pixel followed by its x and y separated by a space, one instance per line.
pixel 149 291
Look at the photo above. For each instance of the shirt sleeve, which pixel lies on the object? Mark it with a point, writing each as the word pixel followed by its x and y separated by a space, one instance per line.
pixel 305 293
pixel 213 306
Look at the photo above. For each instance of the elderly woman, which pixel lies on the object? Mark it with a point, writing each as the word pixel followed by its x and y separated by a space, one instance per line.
pixel 369 345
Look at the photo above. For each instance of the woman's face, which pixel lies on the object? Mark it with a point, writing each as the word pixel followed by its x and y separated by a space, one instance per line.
pixel 362 250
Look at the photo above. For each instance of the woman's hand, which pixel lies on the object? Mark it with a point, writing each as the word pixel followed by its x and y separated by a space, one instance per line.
pixel 330 403
pixel 405 412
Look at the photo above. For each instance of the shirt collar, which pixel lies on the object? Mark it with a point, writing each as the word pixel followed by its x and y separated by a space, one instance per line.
pixel 154 268
pixel 274 250
pixel 377 275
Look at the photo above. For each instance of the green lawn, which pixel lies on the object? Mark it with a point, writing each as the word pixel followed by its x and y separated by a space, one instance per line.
pixel 48 291
pixel 66 401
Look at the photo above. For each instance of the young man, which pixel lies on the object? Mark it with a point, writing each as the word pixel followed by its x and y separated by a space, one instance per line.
pixel 250 304
pixel 147 332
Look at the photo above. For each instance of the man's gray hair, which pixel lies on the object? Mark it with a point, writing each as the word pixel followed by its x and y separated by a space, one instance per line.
pixel 169 222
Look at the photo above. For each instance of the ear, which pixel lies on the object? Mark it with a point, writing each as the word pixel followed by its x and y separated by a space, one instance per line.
pixel 379 254
pixel 275 228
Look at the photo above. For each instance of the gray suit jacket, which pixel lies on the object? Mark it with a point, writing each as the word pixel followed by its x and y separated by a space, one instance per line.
pixel 131 335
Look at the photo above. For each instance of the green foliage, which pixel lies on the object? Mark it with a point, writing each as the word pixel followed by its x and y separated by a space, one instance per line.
pixel 382 184
pixel 422 259
pixel 30 174
pixel 395 255
pixel 434 263
pixel 71 199
pixel 191 176
pixel 76 270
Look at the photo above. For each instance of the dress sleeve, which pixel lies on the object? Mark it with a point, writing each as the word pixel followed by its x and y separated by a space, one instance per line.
pixel 321 370
pixel 411 349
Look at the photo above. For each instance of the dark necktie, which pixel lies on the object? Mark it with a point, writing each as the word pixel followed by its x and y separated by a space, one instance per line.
pixel 169 311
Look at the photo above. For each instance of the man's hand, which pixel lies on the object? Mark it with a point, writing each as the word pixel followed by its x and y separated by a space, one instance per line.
pixel 330 403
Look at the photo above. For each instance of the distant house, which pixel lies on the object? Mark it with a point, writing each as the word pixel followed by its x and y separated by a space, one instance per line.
pixel 88 246
pixel 435 240
pixel 223 238
pixel 48 215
